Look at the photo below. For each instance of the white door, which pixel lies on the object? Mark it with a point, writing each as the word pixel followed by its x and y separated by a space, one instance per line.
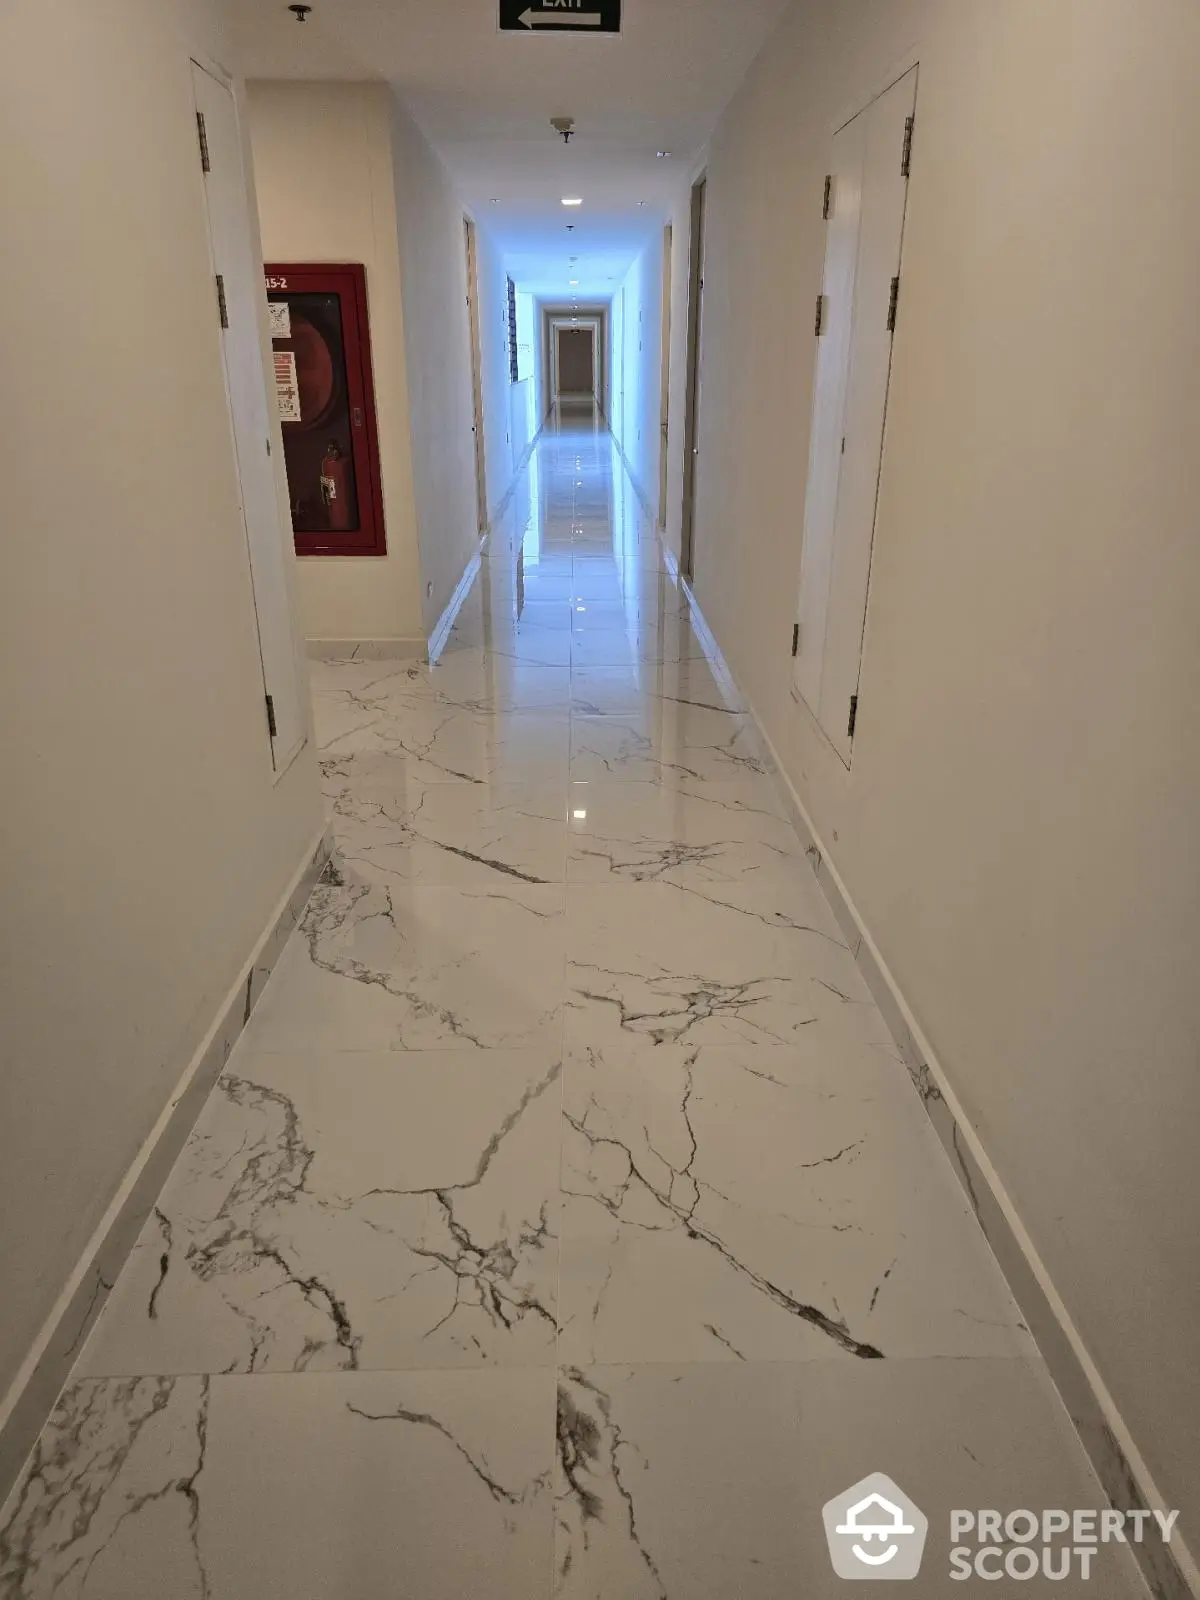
pixel 238 289
pixel 856 317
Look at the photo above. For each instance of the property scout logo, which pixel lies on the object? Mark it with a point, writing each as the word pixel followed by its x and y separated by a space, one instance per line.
pixel 876 1532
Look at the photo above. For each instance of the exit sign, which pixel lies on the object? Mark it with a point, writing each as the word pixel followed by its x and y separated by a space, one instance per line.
pixel 560 16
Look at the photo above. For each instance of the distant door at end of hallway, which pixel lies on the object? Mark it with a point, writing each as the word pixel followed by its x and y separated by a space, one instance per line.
pixel 864 206
pixel 481 497
pixel 237 319
pixel 576 361
pixel 695 352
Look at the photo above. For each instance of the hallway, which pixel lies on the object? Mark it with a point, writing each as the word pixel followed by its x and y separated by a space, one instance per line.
pixel 567 1082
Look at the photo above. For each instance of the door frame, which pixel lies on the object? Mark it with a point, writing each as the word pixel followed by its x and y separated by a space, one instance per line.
pixel 664 379
pixel 573 329
pixel 695 361
pixel 553 317
pixel 477 425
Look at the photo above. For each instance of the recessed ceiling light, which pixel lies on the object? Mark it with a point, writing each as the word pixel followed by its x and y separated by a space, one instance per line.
pixel 572 200
pixel 574 282
pixel 580 816
pixel 495 202
pixel 662 154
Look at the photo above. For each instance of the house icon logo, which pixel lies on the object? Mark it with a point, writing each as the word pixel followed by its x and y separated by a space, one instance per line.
pixel 875 1531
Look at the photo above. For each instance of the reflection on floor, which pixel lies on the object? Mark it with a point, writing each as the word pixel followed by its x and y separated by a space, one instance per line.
pixel 566 1223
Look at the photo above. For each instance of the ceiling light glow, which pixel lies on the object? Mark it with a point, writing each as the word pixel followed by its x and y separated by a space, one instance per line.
pixel 572 200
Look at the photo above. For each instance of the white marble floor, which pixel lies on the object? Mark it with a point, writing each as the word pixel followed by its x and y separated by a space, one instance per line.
pixel 565 1223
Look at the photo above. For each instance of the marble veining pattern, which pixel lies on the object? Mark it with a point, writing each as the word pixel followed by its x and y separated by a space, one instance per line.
pixel 826 1226
pixel 396 1214
pixel 566 1221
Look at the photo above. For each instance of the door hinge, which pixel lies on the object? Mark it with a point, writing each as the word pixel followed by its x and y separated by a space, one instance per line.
pixel 819 319
pixel 906 153
pixel 853 716
pixel 827 204
pixel 205 163
pixel 222 304
pixel 893 302
pixel 271 727
pixel 795 638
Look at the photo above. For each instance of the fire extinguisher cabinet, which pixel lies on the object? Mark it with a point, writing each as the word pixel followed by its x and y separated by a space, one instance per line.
pixel 321 344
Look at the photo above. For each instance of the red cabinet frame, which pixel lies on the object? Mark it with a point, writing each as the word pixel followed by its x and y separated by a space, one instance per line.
pixel 353 399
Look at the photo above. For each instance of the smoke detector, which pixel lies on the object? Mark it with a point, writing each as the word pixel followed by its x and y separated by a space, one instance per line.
pixel 564 127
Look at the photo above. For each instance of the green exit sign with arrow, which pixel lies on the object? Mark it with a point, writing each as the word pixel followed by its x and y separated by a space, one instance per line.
pixel 560 16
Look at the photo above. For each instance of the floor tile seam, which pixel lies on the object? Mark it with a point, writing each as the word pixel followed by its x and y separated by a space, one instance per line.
pixel 213 1373
pixel 561 1131
pixel 804 1363
pixel 122 1374
pixel 382 1051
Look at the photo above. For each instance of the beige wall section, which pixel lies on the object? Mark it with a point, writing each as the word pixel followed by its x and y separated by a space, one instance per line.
pixel 323 171
pixel 1019 826
pixel 433 274
pixel 145 843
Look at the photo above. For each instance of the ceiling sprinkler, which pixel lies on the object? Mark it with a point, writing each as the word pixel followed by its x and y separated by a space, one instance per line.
pixel 300 12
pixel 564 127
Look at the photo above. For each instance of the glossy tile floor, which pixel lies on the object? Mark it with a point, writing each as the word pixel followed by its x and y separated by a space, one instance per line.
pixel 565 1223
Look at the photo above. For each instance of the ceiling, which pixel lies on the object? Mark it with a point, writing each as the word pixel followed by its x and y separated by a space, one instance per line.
pixel 484 99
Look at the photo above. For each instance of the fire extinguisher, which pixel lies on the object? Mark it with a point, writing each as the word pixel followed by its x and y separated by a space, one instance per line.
pixel 335 488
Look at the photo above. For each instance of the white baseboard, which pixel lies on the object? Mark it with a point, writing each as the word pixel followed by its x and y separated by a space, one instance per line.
pixel 39 1381
pixel 648 505
pixel 366 649
pixel 1171 1571
pixel 437 639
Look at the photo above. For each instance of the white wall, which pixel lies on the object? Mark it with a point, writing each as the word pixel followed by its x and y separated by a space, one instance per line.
pixel 509 408
pixel 529 362
pixel 636 367
pixel 323 172
pixel 437 342
pixel 1019 825
pixel 145 843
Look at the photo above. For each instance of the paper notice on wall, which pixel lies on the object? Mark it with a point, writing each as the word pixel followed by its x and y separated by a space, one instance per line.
pixel 280 315
pixel 287 386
